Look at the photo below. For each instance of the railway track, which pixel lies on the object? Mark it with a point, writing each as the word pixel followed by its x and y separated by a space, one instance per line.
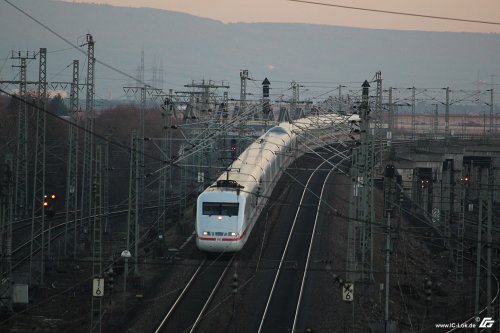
pixel 187 311
pixel 282 310
pixel 483 310
pixel 55 228
pixel 193 303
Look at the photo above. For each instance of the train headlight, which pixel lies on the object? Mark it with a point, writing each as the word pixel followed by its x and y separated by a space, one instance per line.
pixel 234 234
pixel 205 233
pixel 219 217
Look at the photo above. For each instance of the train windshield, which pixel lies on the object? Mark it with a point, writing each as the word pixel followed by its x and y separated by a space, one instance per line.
pixel 221 208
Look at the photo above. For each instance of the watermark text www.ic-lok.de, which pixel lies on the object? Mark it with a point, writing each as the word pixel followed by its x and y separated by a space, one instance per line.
pixel 486 322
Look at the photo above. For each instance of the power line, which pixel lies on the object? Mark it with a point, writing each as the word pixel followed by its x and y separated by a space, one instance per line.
pixel 70 43
pixel 396 13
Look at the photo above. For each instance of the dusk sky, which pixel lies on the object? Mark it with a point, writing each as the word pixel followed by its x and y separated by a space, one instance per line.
pixel 230 11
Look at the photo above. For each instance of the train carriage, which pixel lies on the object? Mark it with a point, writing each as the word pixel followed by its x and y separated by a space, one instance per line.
pixel 228 209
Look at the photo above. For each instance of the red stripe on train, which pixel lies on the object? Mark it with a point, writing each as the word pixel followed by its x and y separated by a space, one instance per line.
pixel 206 238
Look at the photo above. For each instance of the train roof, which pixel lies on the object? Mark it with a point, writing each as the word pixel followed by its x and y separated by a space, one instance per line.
pixel 321 121
pixel 246 171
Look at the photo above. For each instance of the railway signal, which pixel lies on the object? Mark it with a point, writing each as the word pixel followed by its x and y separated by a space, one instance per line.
pixel 427 289
pixel 48 204
pixel 234 150
pixel 110 274
pixel 235 286
pixel 235 283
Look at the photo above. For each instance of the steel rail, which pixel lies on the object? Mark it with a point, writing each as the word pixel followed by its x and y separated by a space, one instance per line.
pixel 287 244
pixel 180 297
pixel 309 254
pixel 486 307
pixel 211 296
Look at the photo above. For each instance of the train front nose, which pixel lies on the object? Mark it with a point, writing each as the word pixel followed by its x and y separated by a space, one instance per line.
pixel 215 244
pixel 218 223
pixel 219 234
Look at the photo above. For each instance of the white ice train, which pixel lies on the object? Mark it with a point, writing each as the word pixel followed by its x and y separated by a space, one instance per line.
pixel 226 211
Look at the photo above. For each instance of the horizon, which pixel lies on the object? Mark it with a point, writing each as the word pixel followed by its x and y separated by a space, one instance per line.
pixel 286 11
pixel 286 61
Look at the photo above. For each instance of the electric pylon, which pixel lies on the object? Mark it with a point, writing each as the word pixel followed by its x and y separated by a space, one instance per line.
pixel 165 170
pixel 362 217
pixel 484 181
pixel 413 115
pixel 87 172
pixel 72 172
pixel 447 200
pixel 143 91
pixel 296 110
pixel 37 244
pixel 21 174
pixel 447 116
pixel 467 171
pixel 133 203
pixel 6 215
pixel 391 202
pixel 243 90
pixel 378 118
pixel 390 122
pixel 96 310
pixel 106 168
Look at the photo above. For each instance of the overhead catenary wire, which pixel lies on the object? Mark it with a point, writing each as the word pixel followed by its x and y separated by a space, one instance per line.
pixel 396 13
pixel 103 137
pixel 75 46
pixel 407 274
pixel 127 147
pixel 72 44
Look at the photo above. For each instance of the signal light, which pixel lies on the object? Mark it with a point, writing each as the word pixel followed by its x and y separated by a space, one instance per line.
pixel 111 278
pixel 234 149
pixel 48 205
pixel 424 183
pixel 235 283
pixel 428 289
